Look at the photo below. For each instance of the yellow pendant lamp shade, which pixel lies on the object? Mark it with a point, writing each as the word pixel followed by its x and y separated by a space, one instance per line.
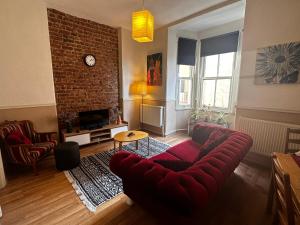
pixel 142 26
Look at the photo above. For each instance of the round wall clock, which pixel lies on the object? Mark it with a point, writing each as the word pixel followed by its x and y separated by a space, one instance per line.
pixel 90 60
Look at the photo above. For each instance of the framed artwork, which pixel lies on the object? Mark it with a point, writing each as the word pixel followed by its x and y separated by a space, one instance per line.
pixel 278 64
pixel 154 69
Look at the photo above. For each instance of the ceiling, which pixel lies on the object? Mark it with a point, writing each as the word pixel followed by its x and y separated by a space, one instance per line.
pixel 215 18
pixel 117 13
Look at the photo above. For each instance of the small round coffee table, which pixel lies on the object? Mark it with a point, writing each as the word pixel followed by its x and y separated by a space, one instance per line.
pixel 124 137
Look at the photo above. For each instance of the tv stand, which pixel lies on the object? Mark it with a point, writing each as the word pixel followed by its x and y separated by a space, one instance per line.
pixel 85 137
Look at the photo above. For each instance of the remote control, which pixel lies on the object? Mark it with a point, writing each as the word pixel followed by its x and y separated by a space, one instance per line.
pixel 130 134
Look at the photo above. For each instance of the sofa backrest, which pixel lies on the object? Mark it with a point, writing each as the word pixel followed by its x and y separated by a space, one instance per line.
pixel 24 126
pixel 202 131
pixel 8 128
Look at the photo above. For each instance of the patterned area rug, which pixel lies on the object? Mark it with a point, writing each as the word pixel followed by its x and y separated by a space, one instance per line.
pixel 95 183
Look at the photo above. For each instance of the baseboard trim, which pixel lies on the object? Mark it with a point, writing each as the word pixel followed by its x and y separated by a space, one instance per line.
pixel 155 130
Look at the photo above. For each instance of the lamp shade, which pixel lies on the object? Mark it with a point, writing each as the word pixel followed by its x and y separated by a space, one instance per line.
pixel 139 88
pixel 142 26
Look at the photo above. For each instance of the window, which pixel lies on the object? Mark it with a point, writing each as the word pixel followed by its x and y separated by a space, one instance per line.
pixel 216 80
pixel 209 81
pixel 184 86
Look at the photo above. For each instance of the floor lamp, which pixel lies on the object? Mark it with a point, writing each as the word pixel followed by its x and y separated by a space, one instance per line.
pixel 140 88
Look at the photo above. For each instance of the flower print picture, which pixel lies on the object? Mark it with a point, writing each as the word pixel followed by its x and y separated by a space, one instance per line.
pixel 278 64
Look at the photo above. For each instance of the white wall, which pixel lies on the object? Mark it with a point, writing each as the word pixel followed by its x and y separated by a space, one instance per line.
pixel 179 116
pixel 25 57
pixel 158 45
pixel 133 62
pixel 268 22
pixel 132 68
pixel 222 29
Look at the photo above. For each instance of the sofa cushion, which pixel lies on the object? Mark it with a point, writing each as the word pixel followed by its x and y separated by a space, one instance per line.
pixel 201 134
pixel 187 151
pixel 164 156
pixel 17 138
pixel 175 165
pixel 216 138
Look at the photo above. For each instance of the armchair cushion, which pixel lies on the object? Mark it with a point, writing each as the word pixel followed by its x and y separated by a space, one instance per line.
pixel 47 146
pixel 26 154
pixel 39 150
pixel 16 137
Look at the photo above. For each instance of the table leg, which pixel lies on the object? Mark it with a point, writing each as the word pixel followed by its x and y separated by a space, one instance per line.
pixel 120 146
pixel 137 145
pixel 270 197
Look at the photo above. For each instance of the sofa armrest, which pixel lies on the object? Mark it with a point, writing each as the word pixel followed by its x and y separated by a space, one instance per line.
pixel 21 154
pixel 175 188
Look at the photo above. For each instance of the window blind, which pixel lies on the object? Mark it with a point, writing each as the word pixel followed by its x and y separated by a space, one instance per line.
pixel 220 44
pixel 186 54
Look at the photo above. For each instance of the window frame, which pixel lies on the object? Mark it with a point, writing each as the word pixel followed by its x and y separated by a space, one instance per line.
pixel 216 78
pixel 192 79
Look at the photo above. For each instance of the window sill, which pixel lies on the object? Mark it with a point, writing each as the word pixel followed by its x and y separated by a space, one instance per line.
pixel 183 109
pixel 218 110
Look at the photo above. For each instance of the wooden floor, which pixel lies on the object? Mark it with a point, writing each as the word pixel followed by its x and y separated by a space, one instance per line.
pixel 50 199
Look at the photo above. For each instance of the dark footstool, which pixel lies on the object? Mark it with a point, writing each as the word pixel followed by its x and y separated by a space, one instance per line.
pixel 67 155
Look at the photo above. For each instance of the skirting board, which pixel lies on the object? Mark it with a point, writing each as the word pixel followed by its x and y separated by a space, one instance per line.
pixel 155 130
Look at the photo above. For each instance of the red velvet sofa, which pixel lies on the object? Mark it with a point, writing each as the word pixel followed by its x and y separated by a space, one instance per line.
pixel 179 196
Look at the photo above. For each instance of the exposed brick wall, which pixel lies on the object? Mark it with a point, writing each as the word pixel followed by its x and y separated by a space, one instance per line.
pixel 77 86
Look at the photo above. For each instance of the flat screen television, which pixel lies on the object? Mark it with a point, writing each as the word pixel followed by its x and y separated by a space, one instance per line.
pixel 93 119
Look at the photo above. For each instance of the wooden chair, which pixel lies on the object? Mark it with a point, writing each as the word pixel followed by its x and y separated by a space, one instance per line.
pixel 291 140
pixel 286 210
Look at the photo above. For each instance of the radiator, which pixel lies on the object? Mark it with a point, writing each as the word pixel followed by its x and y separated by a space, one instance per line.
pixel 268 136
pixel 152 115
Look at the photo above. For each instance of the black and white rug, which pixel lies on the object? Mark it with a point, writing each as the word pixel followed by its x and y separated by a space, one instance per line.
pixel 93 181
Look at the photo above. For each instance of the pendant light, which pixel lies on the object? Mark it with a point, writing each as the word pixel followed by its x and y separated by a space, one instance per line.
pixel 142 25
